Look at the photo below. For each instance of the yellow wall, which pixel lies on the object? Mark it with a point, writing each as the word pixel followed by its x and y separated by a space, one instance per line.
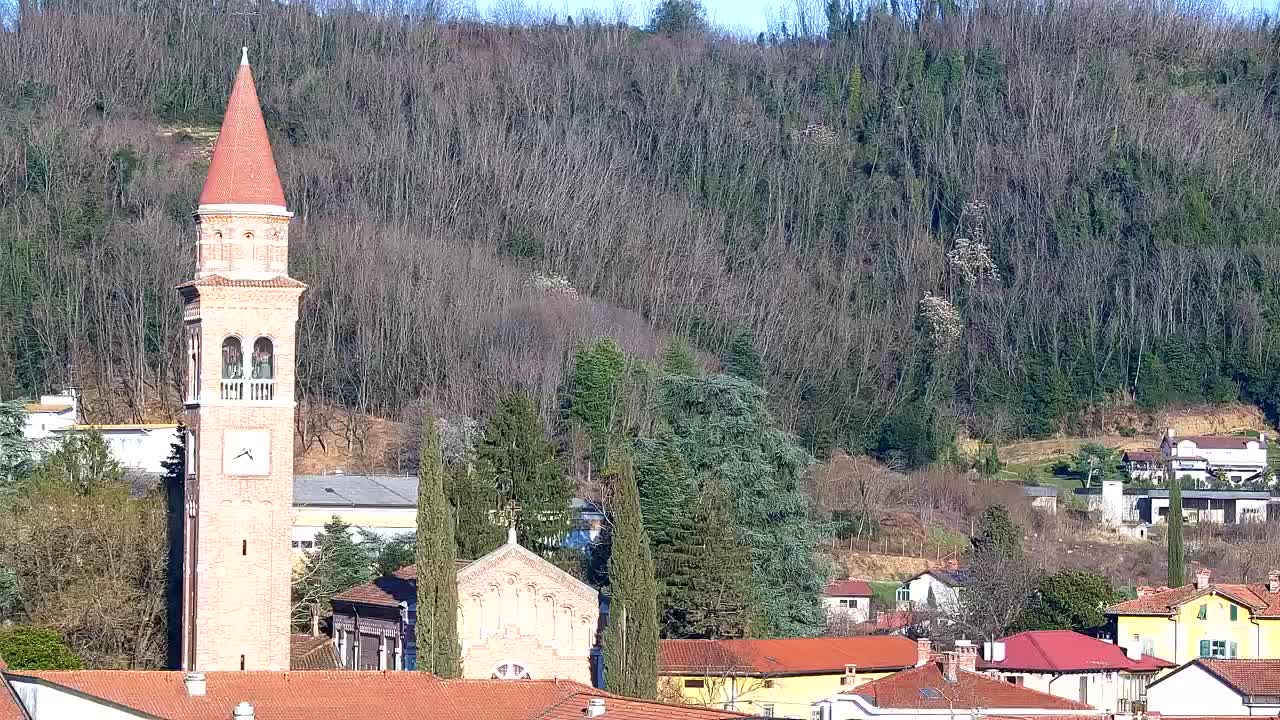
pixel 1177 639
pixel 790 695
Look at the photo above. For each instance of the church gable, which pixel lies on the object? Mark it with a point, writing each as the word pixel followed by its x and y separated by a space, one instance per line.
pixel 513 561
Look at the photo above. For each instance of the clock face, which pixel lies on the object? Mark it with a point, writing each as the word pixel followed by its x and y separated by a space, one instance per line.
pixel 246 452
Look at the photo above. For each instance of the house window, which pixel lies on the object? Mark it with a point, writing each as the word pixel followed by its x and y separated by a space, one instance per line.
pixel 1235 612
pixel 768 709
pixel 1203 613
pixel 846 603
pixel 768 683
pixel 1084 689
pixel 1219 649
pixel 904 594
pixel 695 684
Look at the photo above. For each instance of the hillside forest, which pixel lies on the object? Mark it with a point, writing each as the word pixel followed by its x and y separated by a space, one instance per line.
pixel 989 217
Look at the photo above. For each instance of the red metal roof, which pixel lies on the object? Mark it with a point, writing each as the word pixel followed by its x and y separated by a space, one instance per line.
pixel 849 588
pixel 903 690
pixel 243 170
pixel 1056 651
pixel 1219 442
pixel 402 695
pixel 785 656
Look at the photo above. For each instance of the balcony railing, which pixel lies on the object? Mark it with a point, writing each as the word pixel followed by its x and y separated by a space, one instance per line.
pixel 259 390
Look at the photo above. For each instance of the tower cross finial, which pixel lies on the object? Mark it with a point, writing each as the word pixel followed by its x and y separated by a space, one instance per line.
pixel 244 55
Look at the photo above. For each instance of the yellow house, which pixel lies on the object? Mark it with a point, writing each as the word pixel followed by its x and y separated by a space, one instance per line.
pixel 1203 619
pixel 778 678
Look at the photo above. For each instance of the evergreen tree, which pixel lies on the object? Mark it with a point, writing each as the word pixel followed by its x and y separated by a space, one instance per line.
pixel 1070 600
pixel 82 462
pixel 388 554
pixel 16 456
pixel 515 456
pixel 718 427
pixel 474 501
pixel 26 647
pixel 998 533
pixel 707 593
pixel 336 563
pixel 1177 551
pixel 597 397
pixel 679 359
pixel 436 629
pixel 742 360
pixel 631 641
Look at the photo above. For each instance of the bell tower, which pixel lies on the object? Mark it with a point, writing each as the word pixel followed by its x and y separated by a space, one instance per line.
pixel 239 316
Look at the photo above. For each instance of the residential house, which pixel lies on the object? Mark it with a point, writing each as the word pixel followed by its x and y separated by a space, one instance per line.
pixel 938 589
pixel 519 617
pixel 1218 688
pixel 272 695
pixel 1042 497
pixel 947 687
pixel 1239 458
pixel 851 598
pixel 51 414
pixel 1074 666
pixel 1134 507
pixel 775 678
pixel 1202 619
pixel 387 505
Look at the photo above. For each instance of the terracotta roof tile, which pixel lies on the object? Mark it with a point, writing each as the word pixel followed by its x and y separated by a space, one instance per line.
pixel 243 170
pixel 389 590
pixel 1255 597
pixel 9 708
pixel 312 652
pixel 364 695
pixel 903 690
pixel 1249 677
pixel 788 656
pixel 849 588
pixel 1067 651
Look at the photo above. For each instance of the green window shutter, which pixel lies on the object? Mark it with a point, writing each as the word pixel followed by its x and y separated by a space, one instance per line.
pixel 1234 613
pixel 1204 612
pixel 1204 648
pixel 1234 648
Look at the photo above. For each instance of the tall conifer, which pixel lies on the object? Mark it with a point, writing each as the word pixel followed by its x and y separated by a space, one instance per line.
pixel 631 641
pixel 1177 551
pixel 436 629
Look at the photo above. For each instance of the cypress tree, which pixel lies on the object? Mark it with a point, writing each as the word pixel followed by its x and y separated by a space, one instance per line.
pixel 1177 561
pixel 518 460
pixel 631 641
pixel 596 400
pixel 436 629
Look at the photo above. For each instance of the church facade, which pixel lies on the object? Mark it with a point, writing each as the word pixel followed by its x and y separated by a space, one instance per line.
pixel 519 617
pixel 239 315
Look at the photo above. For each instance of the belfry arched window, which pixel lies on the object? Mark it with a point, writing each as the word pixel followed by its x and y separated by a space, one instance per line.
pixel 262 370
pixel 232 369
pixel 510 671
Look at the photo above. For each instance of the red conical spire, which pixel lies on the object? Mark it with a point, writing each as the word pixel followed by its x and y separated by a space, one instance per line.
pixel 243 171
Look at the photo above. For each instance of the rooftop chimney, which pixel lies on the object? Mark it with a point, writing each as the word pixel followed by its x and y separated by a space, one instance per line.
pixel 243 711
pixel 595 707
pixel 967 655
pixel 924 652
pixel 196 685
pixel 850 675
pixel 1202 578
pixel 1273 581
pixel 1170 433
pixel 950 665
pixel 993 651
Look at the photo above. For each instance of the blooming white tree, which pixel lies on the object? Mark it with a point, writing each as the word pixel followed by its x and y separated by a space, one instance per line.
pixel 943 320
pixel 970 255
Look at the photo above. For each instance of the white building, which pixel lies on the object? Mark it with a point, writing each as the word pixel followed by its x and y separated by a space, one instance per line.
pixel 933 590
pixel 139 447
pixel 1240 458
pixel 851 598
pixel 52 414
pixel 1134 508
pixel 1212 688
pixel 1075 667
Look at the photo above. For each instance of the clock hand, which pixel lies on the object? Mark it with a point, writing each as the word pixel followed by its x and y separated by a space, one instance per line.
pixel 244 453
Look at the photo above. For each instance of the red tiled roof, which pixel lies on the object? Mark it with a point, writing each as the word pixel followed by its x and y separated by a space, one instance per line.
pixel 242 170
pixel 849 588
pixel 787 656
pixel 1255 597
pixel 887 621
pixel 622 708
pixel 9 708
pixel 1218 442
pixel 364 695
pixel 1067 651
pixel 902 690
pixel 389 590
pixel 1247 677
pixel 312 652
pixel 1143 455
